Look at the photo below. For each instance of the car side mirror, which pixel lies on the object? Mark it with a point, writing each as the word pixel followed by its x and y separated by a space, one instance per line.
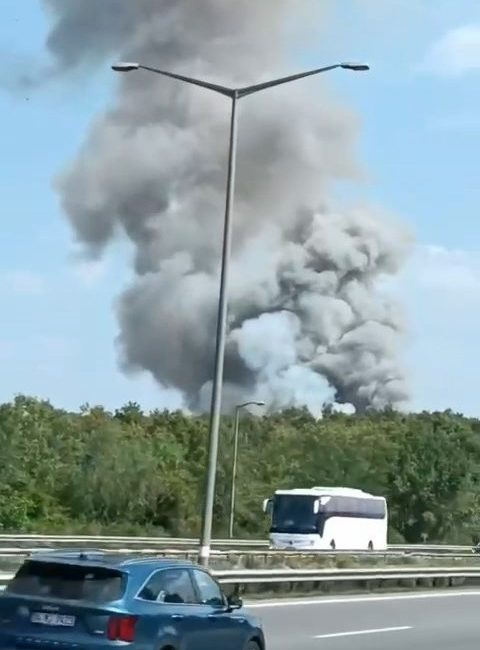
pixel 234 602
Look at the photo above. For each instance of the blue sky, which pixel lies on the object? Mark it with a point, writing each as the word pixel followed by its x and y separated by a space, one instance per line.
pixel 420 134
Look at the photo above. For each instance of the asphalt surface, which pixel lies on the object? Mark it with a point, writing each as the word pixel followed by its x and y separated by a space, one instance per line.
pixel 424 621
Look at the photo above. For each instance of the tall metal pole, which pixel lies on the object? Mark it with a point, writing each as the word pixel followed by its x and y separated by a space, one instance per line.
pixel 234 95
pixel 234 471
pixel 205 540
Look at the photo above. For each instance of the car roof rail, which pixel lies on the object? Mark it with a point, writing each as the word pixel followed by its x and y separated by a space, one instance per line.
pixel 81 553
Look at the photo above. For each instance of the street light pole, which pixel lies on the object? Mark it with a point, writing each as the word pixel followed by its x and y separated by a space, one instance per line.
pixel 220 346
pixel 215 409
pixel 236 427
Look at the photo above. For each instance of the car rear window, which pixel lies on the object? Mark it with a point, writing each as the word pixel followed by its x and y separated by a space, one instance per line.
pixel 67 582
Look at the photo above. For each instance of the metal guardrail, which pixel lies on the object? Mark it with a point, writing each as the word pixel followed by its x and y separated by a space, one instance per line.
pixel 111 540
pixel 267 576
pixel 4 579
pixel 18 553
pixel 430 548
pixel 12 543
pixel 18 546
pixel 292 577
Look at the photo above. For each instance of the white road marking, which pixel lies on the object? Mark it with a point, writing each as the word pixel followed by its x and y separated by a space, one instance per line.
pixel 381 630
pixel 359 599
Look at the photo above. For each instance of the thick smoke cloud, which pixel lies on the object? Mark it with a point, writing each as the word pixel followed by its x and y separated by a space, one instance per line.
pixel 307 320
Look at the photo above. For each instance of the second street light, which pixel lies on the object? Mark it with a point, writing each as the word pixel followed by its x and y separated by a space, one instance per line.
pixel 236 427
pixel 221 329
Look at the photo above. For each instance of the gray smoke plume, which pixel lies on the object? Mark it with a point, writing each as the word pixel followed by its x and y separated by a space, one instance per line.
pixel 307 320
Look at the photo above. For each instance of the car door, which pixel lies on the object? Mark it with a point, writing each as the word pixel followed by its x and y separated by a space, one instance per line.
pixel 222 630
pixel 170 600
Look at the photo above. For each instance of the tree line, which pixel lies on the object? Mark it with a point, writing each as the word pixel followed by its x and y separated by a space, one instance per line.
pixel 130 472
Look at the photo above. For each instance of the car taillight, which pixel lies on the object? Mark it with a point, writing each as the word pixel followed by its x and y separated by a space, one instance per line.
pixel 121 628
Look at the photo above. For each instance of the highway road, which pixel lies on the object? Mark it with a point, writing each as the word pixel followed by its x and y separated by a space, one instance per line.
pixel 424 621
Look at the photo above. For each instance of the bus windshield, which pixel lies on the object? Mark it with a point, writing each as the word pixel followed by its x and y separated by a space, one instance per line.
pixel 293 514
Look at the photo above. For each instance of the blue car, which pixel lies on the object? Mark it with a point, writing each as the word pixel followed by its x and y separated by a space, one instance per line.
pixel 93 601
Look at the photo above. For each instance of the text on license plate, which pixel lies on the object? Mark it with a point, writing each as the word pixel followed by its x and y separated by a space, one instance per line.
pixel 44 618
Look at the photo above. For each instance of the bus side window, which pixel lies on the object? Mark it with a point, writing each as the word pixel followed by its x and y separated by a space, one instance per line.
pixel 376 509
pixel 351 507
pixel 362 510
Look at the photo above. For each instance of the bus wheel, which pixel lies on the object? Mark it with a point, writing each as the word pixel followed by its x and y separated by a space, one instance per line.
pixel 370 546
pixel 333 545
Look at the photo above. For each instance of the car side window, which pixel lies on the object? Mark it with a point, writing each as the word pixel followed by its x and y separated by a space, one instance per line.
pixel 209 590
pixel 169 586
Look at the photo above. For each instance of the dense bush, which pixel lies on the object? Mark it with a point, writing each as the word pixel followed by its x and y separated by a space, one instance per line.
pixel 129 472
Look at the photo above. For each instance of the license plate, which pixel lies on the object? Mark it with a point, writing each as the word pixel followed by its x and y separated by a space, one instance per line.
pixel 60 620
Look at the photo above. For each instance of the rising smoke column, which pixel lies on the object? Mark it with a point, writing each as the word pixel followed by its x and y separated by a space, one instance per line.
pixel 307 322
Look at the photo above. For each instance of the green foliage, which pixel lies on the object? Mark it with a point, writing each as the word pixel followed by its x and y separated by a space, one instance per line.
pixel 130 472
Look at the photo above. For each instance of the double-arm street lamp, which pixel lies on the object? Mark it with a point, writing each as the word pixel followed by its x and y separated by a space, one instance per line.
pixel 221 331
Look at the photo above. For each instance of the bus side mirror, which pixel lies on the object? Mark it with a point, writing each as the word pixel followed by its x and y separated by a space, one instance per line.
pixel 267 506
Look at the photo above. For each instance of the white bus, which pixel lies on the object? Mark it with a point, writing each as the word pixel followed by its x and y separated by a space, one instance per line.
pixel 327 518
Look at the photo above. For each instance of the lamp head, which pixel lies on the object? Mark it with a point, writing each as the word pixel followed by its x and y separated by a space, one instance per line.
pixel 356 67
pixel 124 66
